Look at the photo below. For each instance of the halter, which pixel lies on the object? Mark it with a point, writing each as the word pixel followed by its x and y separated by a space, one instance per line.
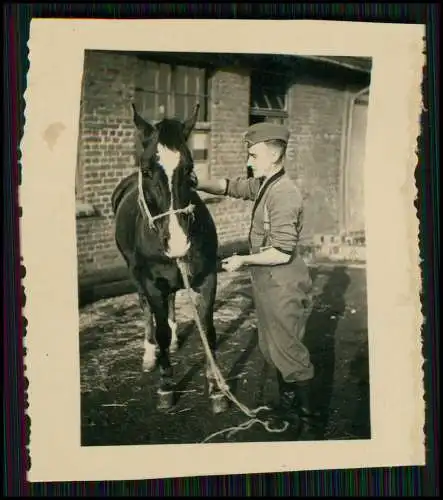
pixel 145 210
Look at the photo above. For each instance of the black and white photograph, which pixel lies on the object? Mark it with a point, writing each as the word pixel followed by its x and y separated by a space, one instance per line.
pixel 226 235
pixel 281 303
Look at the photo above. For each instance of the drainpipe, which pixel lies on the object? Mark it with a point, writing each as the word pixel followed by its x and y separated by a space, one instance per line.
pixel 348 153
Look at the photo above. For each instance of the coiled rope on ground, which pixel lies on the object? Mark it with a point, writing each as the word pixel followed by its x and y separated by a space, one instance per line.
pixel 219 378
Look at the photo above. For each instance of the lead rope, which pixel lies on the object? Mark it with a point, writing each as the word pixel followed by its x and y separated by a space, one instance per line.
pixel 220 380
pixel 142 202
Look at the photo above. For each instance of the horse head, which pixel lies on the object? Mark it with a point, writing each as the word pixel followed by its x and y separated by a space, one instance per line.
pixel 166 165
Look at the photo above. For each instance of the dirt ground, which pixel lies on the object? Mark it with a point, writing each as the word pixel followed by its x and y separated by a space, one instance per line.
pixel 118 400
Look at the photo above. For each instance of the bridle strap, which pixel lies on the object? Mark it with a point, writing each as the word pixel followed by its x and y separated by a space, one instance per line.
pixel 145 209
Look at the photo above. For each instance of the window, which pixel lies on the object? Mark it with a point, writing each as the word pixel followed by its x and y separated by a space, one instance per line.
pixel 173 90
pixel 267 98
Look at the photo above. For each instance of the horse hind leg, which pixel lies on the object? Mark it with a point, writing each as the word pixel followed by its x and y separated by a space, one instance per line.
pixel 172 324
pixel 205 296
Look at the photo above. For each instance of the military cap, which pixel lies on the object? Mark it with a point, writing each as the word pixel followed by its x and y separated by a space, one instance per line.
pixel 261 132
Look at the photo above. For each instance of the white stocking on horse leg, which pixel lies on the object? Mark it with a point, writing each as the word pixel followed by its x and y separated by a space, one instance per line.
pixel 174 339
pixel 172 324
pixel 150 349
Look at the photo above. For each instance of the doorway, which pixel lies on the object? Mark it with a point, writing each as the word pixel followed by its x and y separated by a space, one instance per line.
pixel 354 200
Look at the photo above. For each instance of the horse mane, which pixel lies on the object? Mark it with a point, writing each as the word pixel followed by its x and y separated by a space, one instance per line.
pixel 121 189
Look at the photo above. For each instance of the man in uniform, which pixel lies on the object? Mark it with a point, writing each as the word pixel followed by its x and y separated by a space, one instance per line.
pixel 280 278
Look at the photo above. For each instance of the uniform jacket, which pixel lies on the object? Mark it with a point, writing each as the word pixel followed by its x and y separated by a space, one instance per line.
pixel 276 214
pixel 275 222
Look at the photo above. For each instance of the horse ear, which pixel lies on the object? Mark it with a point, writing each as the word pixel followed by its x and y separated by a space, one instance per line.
pixel 141 124
pixel 189 124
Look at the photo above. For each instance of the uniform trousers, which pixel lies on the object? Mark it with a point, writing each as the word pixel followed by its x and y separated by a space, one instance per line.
pixel 283 300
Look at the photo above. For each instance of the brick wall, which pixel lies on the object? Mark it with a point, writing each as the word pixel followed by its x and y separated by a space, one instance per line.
pixel 106 150
pixel 229 120
pixel 314 151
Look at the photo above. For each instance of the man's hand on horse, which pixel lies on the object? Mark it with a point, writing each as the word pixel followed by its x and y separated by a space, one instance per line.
pixel 193 180
pixel 232 264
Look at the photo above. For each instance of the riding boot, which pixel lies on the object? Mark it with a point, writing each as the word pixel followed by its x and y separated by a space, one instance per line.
pixel 309 417
pixel 295 406
pixel 286 409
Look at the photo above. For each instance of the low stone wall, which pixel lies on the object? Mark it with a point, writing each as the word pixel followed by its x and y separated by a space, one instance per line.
pixel 114 280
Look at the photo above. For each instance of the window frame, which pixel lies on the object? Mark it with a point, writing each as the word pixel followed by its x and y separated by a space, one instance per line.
pixel 171 92
pixel 262 82
pixel 204 91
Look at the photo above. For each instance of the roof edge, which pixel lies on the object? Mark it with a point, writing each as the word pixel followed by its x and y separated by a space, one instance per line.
pixel 334 62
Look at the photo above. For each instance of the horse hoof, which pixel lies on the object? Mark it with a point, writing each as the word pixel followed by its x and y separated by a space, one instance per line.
pixel 165 400
pixel 219 404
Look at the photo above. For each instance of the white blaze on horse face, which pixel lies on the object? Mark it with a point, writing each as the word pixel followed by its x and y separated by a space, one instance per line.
pixel 178 244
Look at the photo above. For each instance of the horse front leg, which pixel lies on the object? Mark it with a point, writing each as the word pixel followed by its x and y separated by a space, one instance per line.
pixel 172 323
pixel 150 347
pixel 205 300
pixel 165 391
pixel 150 350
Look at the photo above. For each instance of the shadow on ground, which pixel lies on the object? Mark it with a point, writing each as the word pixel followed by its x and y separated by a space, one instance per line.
pixel 118 401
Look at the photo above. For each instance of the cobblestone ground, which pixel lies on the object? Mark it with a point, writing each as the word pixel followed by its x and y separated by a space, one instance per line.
pixel 118 400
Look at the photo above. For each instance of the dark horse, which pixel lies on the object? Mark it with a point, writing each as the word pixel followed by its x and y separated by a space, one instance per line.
pixel 159 218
